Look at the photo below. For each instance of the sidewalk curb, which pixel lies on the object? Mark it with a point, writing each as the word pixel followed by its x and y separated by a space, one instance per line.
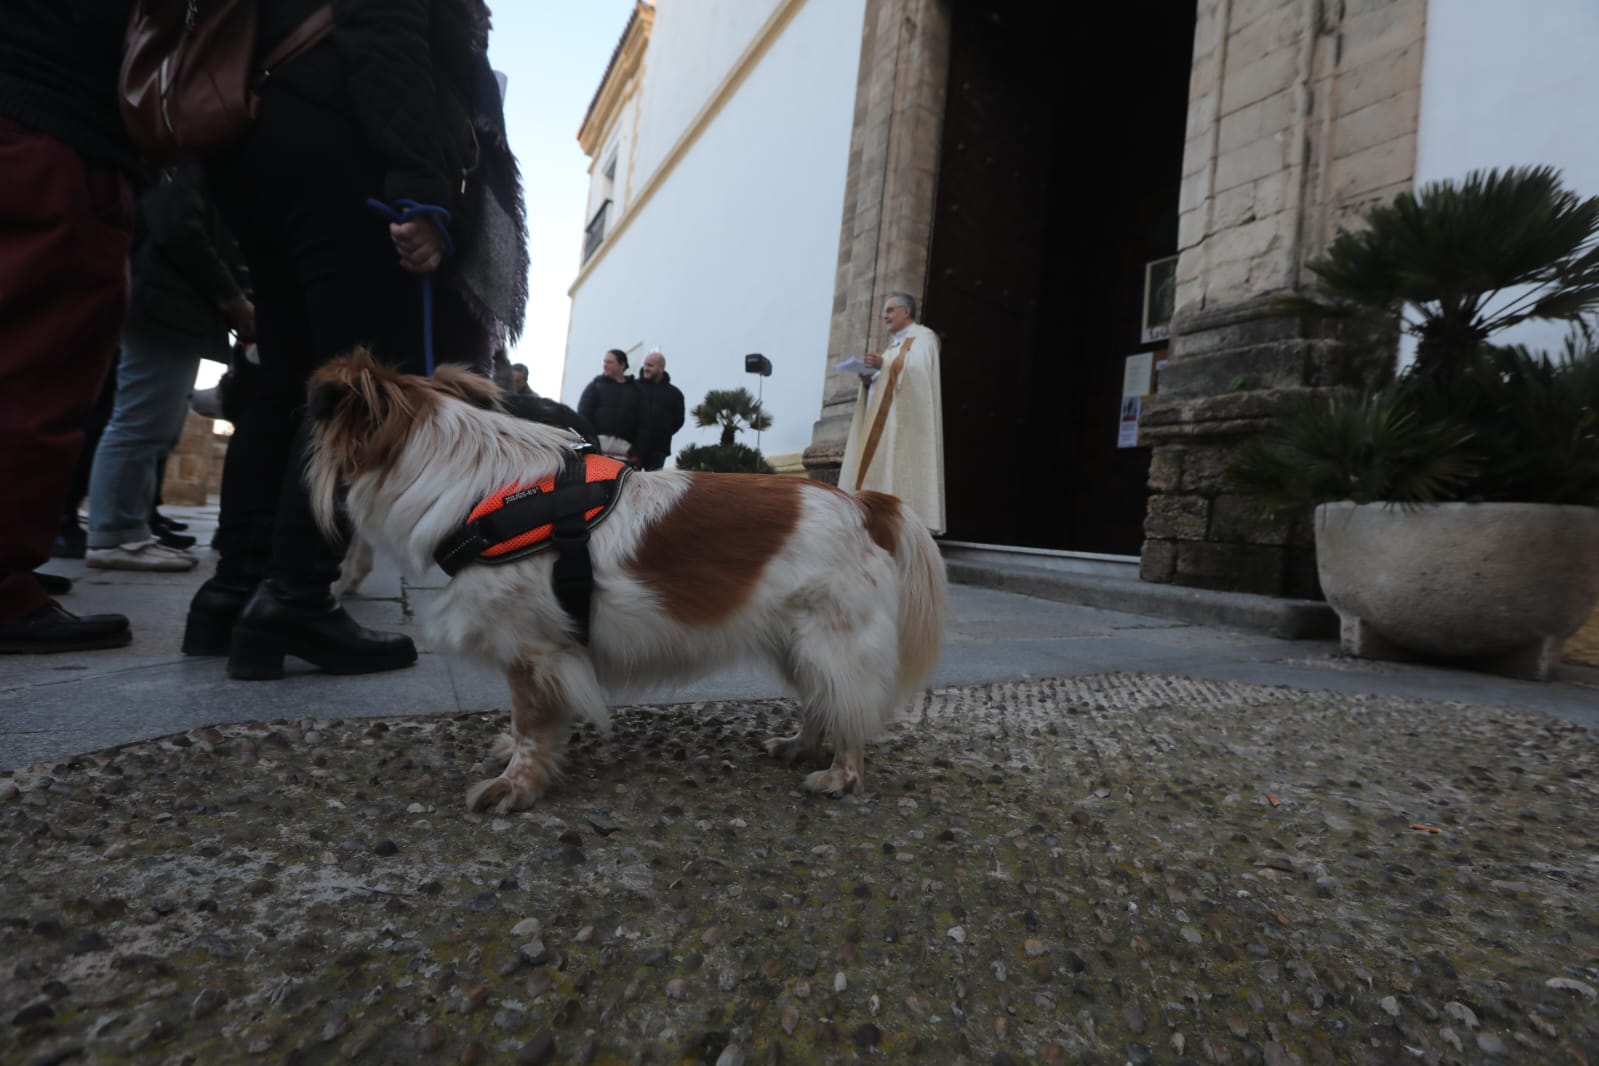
pixel 1282 618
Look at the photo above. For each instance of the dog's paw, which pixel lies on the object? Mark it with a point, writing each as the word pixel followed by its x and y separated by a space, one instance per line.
pixel 792 749
pixel 503 793
pixel 835 781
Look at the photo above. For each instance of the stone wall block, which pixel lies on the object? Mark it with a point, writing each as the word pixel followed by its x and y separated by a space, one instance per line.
pixel 1237 520
pixel 194 469
pixel 1390 163
pixel 1375 32
pixel 1274 31
pixel 1386 76
pixel 1205 470
pixel 1265 155
pixel 1157 561
pixel 1166 469
pixel 1238 567
pixel 1177 518
pixel 1377 124
pixel 1243 84
pixel 1273 365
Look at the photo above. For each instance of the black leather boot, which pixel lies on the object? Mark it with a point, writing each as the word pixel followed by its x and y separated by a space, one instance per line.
pixel 280 621
pixel 212 612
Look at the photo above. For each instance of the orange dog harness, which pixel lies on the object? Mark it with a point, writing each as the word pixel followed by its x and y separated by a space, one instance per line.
pixel 558 512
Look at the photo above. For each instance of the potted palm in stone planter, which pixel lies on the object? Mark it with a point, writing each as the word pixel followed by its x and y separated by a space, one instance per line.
pixel 735 410
pixel 1457 507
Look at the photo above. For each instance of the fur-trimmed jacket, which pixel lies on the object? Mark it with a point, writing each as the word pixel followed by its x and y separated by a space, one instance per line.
pixel 415 76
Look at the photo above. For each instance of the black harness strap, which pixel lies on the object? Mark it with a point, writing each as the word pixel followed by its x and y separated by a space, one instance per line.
pixel 573 576
pixel 564 507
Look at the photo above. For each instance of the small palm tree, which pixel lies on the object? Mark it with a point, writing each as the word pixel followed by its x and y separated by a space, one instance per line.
pixel 1455 263
pixel 1452 265
pixel 735 410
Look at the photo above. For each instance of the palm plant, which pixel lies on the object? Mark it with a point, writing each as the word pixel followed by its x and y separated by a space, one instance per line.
pixel 1349 445
pixel 1508 425
pixel 1455 263
pixel 735 410
pixel 1452 265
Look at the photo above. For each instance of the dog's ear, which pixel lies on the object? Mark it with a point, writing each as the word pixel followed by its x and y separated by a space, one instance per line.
pixel 464 385
pixel 349 386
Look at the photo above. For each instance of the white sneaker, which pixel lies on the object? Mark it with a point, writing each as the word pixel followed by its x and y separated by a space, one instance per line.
pixel 140 555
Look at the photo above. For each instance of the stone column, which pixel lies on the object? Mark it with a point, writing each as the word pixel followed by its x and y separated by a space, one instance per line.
pixel 1302 114
pixel 888 195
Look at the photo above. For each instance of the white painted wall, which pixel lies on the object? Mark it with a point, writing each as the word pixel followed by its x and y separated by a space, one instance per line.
pixel 737 249
pixel 693 46
pixel 617 143
pixel 1511 84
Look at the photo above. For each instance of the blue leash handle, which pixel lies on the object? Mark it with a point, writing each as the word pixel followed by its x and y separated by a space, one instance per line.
pixel 399 213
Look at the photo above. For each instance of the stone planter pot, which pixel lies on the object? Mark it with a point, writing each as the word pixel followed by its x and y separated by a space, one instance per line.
pixel 1583 647
pixel 1498 585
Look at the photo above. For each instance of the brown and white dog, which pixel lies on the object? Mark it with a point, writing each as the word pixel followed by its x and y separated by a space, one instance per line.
pixel 843 594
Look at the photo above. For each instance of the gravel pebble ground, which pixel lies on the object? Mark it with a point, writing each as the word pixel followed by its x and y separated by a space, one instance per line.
pixel 1110 869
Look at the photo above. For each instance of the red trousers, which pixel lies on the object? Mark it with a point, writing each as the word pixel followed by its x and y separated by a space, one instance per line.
pixel 65 228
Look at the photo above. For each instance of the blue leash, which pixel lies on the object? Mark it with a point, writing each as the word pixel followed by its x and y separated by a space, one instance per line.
pixel 403 211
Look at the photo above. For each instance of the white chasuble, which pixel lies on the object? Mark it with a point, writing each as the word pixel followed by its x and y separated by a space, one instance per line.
pixel 896 433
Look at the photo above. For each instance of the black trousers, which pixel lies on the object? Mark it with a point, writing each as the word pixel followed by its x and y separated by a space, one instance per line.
pixel 326 279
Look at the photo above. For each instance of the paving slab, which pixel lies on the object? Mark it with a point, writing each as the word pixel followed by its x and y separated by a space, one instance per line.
pixel 1099 869
pixel 1103 837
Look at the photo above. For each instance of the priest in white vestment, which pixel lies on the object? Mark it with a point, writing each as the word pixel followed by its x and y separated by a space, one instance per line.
pixel 896 434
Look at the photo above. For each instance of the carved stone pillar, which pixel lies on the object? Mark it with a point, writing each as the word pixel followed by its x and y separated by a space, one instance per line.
pixel 888 194
pixel 1302 114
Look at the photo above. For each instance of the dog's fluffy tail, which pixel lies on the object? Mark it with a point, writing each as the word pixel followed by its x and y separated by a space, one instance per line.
pixel 923 591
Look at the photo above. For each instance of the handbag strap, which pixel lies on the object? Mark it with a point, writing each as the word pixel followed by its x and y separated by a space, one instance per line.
pixel 317 25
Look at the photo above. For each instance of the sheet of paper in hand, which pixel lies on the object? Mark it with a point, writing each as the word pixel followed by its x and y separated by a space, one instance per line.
pixel 852 365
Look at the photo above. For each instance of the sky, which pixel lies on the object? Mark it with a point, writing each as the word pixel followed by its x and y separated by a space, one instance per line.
pixel 553 56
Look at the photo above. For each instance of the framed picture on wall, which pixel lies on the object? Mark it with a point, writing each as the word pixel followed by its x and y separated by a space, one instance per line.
pixel 1160 298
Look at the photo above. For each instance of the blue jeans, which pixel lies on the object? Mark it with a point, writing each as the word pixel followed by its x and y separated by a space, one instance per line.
pixel 154 380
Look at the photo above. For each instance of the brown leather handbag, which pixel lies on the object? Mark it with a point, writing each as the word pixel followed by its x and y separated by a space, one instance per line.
pixel 189 79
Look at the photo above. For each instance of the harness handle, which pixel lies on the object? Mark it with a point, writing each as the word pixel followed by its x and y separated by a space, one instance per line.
pixel 399 213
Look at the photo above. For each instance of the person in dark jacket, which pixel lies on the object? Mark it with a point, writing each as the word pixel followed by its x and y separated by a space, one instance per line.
pixel 66 221
pixel 397 103
pixel 186 297
pixel 612 404
pixel 662 411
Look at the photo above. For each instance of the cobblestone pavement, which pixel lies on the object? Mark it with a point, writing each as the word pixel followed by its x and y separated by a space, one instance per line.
pixel 1123 868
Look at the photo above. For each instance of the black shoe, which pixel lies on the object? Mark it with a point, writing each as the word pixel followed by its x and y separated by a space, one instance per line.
pixel 180 541
pixel 54 584
pixel 160 523
pixel 71 540
pixel 276 623
pixel 54 628
pixel 215 607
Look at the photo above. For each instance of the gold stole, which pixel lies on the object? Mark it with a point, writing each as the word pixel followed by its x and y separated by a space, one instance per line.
pixel 883 404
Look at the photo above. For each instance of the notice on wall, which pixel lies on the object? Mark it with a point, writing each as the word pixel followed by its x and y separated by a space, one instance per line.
pixel 1138 374
pixel 1127 428
pixel 1138 383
